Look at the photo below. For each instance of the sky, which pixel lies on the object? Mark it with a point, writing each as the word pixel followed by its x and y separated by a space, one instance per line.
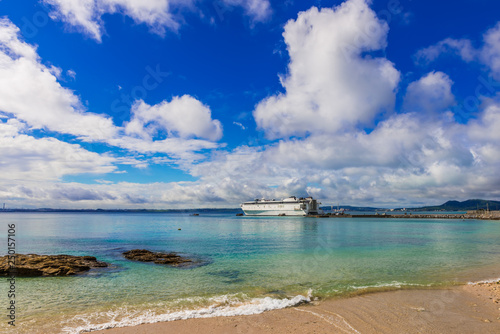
pixel 208 103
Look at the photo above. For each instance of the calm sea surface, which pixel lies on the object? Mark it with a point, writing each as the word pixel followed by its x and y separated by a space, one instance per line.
pixel 250 264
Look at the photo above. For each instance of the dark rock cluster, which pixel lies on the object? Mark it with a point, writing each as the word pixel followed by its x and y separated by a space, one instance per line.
pixel 27 265
pixel 144 255
pixel 31 265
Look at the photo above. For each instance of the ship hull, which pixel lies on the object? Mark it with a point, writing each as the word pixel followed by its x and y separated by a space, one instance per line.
pixel 250 212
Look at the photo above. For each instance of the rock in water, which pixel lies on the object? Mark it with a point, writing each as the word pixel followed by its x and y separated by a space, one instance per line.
pixel 27 265
pixel 144 255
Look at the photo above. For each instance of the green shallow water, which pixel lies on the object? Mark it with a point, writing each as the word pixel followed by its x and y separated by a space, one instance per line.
pixel 246 260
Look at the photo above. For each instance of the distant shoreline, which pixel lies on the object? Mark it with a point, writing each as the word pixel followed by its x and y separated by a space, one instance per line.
pixel 222 210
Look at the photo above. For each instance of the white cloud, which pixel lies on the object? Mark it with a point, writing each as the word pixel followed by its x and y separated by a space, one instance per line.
pixel 258 10
pixel 12 47
pixel 101 181
pixel 158 15
pixel 27 158
pixel 460 47
pixel 182 150
pixel 331 84
pixel 71 74
pixel 30 91
pixel 111 195
pixel 154 13
pixel 86 15
pixel 488 54
pixel 486 129
pixel 430 94
pixel 82 14
pixel 241 126
pixel 183 117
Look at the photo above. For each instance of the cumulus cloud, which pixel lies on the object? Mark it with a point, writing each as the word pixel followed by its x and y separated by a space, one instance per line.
pixel 488 54
pixel 430 94
pixel 12 47
pixel 332 83
pixel 86 15
pixel 158 15
pixel 486 128
pixel 27 158
pixel 184 117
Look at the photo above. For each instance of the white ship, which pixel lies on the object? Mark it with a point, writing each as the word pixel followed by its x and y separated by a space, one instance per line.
pixel 291 206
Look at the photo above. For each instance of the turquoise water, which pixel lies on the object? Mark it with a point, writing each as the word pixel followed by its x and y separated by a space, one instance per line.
pixel 251 264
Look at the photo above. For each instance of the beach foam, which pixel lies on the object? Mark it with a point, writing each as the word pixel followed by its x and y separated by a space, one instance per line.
pixel 394 284
pixel 494 280
pixel 223 306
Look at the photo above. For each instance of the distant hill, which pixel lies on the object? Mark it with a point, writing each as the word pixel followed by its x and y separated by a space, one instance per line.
pixel 471 204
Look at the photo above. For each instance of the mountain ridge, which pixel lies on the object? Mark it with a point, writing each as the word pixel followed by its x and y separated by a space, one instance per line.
pixel 451 205
pixel 467 205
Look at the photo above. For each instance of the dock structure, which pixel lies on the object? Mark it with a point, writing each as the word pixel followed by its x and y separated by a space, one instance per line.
pixel 480 214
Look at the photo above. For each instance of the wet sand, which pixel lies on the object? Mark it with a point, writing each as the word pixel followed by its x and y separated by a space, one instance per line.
pixel 473 308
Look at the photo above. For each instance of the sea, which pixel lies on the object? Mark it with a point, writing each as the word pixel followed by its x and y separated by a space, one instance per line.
pixel 244 265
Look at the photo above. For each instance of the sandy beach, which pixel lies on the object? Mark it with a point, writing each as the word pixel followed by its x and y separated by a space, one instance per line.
pixel 472 308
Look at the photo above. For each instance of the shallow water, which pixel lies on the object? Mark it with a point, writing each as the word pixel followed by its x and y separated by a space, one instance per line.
pixel 252 264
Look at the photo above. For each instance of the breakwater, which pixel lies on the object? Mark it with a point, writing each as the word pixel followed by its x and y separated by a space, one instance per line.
pixel 486 215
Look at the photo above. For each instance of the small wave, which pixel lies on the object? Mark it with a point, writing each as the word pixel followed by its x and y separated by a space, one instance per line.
pixel 223 306
pixel 393 284
pixel 494 280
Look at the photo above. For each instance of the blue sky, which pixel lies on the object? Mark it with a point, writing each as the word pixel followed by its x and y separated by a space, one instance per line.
pixel 170 103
